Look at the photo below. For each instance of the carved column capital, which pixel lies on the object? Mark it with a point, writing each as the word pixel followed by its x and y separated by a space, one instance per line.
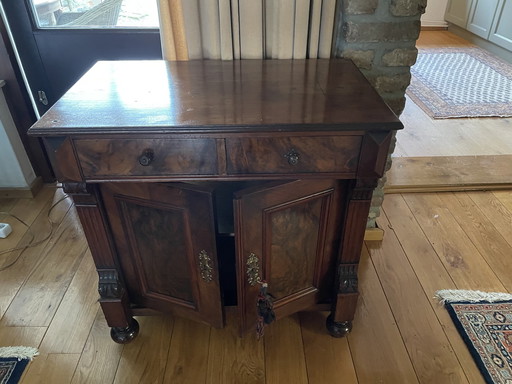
pixel 347 274
pixel 84 195
pixel 73 188
pixel 110 285
pixel 363 189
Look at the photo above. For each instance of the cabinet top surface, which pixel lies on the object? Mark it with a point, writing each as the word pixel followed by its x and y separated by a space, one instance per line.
pixel 218 96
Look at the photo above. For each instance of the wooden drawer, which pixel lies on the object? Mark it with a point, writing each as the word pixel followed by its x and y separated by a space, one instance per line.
pixel 118 158
pixel 297 154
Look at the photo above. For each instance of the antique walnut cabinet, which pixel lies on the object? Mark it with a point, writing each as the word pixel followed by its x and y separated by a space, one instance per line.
pixel 195 182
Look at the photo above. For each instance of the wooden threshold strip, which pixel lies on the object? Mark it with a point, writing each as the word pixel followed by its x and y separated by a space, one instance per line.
pixel 449 173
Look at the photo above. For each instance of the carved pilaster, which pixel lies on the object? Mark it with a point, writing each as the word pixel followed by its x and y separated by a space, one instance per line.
pixel 114 300
pixel 109 285
pixel 347 278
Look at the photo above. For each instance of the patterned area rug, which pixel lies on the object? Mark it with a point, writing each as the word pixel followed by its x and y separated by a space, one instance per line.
pixel 484 321
pixel 13 360
pixel 461 82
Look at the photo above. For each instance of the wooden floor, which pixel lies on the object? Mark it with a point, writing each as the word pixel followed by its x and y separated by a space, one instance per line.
pixel 48 299
pixel 424 136
pixel 453 152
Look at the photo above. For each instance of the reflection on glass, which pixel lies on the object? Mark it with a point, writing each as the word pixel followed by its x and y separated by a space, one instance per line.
pixel 95 14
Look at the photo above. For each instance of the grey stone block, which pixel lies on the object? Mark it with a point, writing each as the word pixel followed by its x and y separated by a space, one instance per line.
pixel 400 57
pixel 381 32
pixel 407 7
pixel 360 7
pixel 363 59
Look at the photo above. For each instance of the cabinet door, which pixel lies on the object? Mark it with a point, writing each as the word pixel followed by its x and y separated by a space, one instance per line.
pixel 287 235
pixel 481 17
pixel 457 12
pixel 165 240
pixel 501 31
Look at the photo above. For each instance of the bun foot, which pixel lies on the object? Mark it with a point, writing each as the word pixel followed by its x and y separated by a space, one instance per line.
pixel 125 335
pixel 338 329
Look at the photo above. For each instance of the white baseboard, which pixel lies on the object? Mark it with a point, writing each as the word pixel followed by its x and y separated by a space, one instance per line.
pixel 434 24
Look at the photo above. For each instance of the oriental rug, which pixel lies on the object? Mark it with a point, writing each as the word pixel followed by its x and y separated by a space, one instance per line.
pixel 461 82
pixel 13 360
pixel 484 320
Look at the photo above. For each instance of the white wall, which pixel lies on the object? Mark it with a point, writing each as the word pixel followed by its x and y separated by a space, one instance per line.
pixel 434 15
pixel 15 168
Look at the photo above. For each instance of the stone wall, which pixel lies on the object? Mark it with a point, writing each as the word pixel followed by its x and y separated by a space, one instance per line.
pixel 380 37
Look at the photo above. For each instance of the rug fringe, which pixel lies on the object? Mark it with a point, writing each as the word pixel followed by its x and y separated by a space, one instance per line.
pixel 19 352
pixel 458 295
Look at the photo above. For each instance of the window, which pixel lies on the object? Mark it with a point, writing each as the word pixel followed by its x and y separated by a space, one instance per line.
pixel 95 14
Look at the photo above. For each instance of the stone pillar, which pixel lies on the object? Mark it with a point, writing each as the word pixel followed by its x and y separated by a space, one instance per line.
pixel 380 37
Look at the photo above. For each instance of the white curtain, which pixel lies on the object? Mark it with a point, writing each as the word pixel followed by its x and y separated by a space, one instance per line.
pixel 246 29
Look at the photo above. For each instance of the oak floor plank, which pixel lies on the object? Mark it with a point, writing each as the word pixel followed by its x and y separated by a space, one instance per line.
pixel 6 205
pixel 100 357
pixel 420 329
pixel 505 197
pixel 427 265
pixel 27 336
pixel 51 368
pixel 466 266
pixel 483 234
pixel 435 39
pixel 328 359
pixel 424 136
pixel 188 354
pixel 496 211
pixel 232 359
pixel 284 353
pixel 430 272
pixel 14 277
pixel 377 348
pixel 72 322
pixel 26 210
pixel 38 299
pixel 145 358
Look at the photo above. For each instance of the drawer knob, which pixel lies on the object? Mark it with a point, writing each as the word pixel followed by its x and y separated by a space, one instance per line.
pixel 146 158
pixel 293 157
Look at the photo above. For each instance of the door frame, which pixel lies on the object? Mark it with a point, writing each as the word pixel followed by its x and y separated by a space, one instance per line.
pixel 20 106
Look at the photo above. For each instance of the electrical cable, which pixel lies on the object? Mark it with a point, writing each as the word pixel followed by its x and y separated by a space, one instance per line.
pixel 29 231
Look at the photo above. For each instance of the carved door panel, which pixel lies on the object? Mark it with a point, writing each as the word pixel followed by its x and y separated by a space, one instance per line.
pixel 287 235
pixel 165 239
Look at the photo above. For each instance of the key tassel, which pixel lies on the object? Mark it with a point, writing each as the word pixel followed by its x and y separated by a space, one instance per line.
pixel 265 307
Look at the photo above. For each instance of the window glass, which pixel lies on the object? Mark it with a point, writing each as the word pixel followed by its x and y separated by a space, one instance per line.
pixel 95 13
